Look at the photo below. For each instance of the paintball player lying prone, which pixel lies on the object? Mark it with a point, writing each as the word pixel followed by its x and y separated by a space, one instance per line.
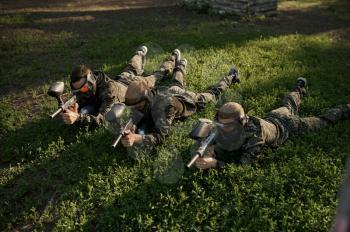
pixel 243 137
pixel 161 106
pixel 96 92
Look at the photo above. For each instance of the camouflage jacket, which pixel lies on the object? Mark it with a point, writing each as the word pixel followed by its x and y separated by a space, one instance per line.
pixel 275 129
pixel 259 133
pixel 163 108
pixel 107 93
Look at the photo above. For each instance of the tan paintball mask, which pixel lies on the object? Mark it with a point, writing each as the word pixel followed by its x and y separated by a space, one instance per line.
pixel 231 135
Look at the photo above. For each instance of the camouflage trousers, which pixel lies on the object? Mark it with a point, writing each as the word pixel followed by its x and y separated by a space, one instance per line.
pixel 289 121
pixel 134 71
pixel 178 87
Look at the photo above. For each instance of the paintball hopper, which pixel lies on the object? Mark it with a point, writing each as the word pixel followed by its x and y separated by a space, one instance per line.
pixel 116 112
pixel 56 89
pixel 201 129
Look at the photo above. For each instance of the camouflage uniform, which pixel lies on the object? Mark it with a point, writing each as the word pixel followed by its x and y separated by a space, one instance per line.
pixel 167 104
pixel 112 90
pixel 279 124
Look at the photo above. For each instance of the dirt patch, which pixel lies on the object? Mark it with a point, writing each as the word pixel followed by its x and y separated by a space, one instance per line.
pixel 66 19
pixel 9 6
pixel 341 34
pixel 303 19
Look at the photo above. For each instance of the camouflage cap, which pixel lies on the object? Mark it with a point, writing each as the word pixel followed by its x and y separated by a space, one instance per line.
pixel 136 92
pixel 231 110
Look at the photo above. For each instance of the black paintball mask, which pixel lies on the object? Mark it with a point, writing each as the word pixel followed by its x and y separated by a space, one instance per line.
pixel 231 136
pixel 87 90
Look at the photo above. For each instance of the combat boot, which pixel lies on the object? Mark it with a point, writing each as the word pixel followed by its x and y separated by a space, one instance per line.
pixel 182 64
pixel 232 77
pixel 171 62
pixel 142 51
pixel 301 85
pixel 337 113
pixel 225 82
pixel 177 55
pixel 301 82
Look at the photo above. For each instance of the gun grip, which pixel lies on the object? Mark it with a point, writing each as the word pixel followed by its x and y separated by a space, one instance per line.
pixel 59 100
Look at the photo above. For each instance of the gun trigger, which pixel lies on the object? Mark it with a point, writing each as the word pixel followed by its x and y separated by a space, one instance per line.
pixel 126 133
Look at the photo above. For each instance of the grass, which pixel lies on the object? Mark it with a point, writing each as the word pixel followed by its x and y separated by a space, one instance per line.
pixel 64 178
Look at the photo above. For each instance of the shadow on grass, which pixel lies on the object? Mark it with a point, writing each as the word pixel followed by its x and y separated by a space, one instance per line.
pixel 150 204
pixel 61 175
pixel 36 140
pixel 45 184
pixel 130 211
pixel 107 38
pixel 236 196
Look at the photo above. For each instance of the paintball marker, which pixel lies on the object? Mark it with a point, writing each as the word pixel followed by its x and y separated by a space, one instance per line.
pixel 204 132
pixel 56 91
pixel 115 114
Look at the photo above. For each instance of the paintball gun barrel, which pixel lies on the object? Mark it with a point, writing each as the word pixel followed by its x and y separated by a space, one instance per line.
pixel 128 126
pixel 206 134
pixel 115 114
pixel 203 146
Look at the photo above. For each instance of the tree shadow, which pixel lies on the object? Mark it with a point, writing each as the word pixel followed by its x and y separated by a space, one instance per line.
pixel 128 211
pixel 149 205
pixel 34 140
pixel 237 195
pixel 73 5
pixel 45 184
pixel 63 174
pixel 108 38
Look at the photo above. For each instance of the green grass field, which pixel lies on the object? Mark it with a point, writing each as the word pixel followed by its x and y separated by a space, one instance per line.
pixel 64 178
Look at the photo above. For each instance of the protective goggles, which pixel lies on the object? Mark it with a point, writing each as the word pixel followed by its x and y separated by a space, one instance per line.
pixel 226 126
pixel 85 87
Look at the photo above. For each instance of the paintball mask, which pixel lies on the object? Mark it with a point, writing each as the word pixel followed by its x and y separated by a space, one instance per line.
pixel 86 90
pixel 231 136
